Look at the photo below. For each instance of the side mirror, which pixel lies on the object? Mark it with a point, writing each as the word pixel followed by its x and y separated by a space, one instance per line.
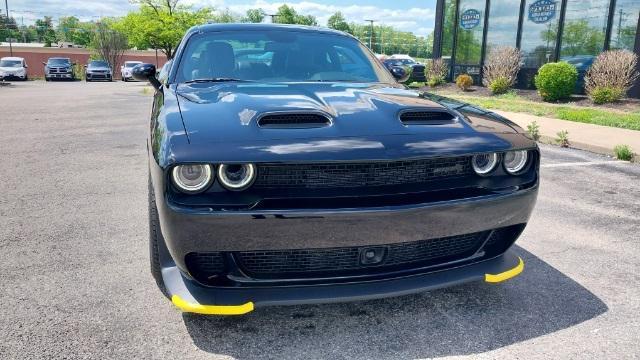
pixel 400 73
pixel 85 65
pixel 26 66
pixel 146 72
pixel 44 63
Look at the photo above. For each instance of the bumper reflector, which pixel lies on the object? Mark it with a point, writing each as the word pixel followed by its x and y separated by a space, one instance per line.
pixel 496 278
pixel 211 309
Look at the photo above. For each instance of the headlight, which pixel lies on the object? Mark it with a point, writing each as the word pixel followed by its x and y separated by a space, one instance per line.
pixel 192 178
pixel 484 163
pixel 236 177
pixel 515 161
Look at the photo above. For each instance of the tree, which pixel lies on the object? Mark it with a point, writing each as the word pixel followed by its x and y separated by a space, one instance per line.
pixel 109 43
pixel 288 15
pixel 44 29
pixel 338 22
pixel 70 29
pixel 8 28
pixel 254 16
pixel 161 24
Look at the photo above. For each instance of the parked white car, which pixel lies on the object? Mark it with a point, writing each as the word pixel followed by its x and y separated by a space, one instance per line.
pixel 13 68
pixel 125 70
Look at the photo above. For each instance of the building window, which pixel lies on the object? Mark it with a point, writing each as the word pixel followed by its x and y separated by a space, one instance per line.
pixel 448 27
pixel 539 32
pixel 585 26
pixel 625 23
pixel 503 23
pixel 470 29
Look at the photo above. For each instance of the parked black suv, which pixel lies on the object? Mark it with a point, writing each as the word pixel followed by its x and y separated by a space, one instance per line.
pixel 58 68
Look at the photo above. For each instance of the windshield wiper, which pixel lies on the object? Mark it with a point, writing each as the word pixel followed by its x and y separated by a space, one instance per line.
pixel 220 79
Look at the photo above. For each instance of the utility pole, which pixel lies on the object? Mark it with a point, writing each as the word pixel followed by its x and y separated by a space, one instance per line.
pixel 371 35
pixel 6 5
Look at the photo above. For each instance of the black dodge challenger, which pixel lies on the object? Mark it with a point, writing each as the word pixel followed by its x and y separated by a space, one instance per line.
pixel 289 166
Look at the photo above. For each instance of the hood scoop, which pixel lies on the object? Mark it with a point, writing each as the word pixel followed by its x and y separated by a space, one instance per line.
pixel 426 117
pixel 298 120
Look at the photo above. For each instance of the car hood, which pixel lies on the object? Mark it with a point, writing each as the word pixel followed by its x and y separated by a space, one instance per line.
pixel 10 68
pixel 98 68
pixel 227 112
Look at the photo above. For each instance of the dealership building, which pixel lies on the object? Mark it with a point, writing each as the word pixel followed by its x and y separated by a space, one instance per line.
pixel 545 30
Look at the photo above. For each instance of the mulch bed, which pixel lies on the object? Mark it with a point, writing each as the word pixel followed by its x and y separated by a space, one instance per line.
pixel 627 104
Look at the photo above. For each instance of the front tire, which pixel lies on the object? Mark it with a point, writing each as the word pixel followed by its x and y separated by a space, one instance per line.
pixel 155 237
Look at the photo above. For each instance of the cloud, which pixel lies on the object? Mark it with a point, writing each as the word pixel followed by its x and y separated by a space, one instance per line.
pixel 418 20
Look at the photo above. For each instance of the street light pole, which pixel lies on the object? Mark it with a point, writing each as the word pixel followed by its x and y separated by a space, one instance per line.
pixel 371 35
pixel 6 6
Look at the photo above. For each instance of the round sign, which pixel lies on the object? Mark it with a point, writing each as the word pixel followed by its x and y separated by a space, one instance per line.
pixel 542 11
pixel 469 19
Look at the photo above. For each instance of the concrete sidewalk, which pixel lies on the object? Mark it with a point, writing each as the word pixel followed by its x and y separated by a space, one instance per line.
pixel 595 138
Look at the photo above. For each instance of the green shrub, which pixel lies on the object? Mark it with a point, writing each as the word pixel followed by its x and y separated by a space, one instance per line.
pixel 534 130
pixel 605 94
pixel 499 85
pixel 563 138
pixel 435 81
pixel 464 82
pixel 623 152
pixel 556 81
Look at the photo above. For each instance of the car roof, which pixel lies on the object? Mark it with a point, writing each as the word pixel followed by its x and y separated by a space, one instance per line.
pixel 12 58
pixel 264 27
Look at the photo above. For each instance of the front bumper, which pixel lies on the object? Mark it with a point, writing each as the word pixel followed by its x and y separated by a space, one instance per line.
pixel 60 76
pixel 189 296
pixel 12 76
pixel 98 76
pixel 188 231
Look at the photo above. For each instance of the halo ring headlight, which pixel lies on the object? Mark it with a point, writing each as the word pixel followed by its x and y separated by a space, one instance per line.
pixel 484 163
pixel 515 161
pixel 192 178
pixel 236 177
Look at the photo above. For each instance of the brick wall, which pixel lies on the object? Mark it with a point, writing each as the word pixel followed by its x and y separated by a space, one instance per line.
pixel 36 56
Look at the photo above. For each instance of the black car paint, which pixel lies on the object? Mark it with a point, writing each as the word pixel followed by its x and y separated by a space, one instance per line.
pixel 215 123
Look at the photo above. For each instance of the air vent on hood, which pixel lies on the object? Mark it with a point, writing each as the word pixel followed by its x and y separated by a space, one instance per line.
pixel 294 121
pixel 426 117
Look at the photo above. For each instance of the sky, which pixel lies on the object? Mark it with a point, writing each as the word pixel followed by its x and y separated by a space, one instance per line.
pixel 406 15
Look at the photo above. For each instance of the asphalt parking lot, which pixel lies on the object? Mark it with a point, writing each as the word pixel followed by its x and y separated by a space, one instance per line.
pixel 75 278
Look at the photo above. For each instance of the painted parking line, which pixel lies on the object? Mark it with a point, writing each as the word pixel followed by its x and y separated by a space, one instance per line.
pixel 584 163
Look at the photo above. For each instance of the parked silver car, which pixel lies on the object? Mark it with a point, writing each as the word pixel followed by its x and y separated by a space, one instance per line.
pixel 13 68
pixel 98 70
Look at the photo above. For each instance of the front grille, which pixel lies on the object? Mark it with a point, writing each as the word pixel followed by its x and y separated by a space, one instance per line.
pixel 335 261
pixel 205 266
pixel 349 175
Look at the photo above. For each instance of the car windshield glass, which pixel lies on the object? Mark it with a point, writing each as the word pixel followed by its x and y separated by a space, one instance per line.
pixel 59 62
pixel 10 63
pixel 98 64
pixel 278 56
pixel 130 65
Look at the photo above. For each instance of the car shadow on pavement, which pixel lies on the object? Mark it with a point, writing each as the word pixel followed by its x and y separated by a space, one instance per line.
pixel 466 319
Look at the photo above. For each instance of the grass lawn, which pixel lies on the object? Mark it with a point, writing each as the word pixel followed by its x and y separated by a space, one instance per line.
pixel 514 103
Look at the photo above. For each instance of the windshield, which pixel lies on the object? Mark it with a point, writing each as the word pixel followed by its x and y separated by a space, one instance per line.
pixel 98 64
pixel 59 62
pixel 278 56
pixel 10 63
pixel 130 65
